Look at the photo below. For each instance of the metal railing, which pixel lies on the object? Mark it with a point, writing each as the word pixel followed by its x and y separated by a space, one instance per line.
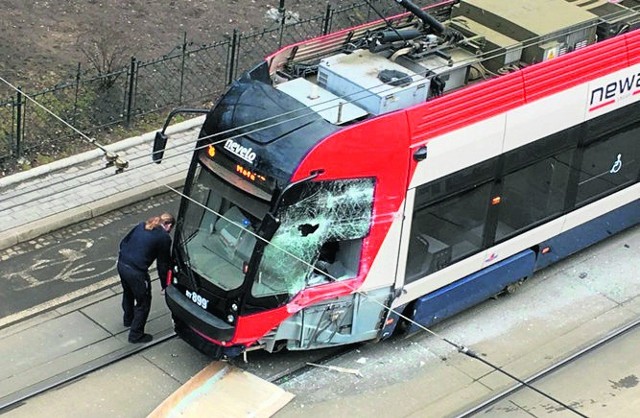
pixel 189 75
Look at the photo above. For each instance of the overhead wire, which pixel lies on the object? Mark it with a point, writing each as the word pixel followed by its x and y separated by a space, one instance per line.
pixel 112 156
pixel 460 348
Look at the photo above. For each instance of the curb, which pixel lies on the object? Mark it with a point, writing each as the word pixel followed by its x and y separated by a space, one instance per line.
pixel 96 153
pixel 51 223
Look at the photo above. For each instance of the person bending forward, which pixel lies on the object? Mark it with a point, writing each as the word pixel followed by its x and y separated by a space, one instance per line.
pixel 147 242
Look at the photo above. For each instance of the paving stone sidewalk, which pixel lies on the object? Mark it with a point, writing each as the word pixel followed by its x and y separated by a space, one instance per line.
pixel 81 187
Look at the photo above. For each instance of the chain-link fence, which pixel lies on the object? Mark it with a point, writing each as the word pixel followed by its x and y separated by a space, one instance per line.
pixel 189 75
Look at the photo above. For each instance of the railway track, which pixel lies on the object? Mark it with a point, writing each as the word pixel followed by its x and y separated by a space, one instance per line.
pixel 167 362
pixel 288 371
pixel 55 381
pixel 551 370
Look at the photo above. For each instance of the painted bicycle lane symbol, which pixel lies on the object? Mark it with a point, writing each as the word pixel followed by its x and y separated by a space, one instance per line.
pixel 68 262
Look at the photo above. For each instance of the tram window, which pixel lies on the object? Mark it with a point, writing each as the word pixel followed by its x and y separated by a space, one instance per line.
pixel 532 194
pixel 451 184
pixel 612 122
pixel 320 221
pixel 447 231
pixel 609 164
pixel 216 238
pixel 195 213
pixel 539 150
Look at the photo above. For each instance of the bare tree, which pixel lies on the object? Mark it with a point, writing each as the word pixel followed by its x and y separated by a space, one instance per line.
pixel 106 50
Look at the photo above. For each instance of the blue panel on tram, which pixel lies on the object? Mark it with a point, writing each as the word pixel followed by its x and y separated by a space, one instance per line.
pixel 588 234
pixel 472 289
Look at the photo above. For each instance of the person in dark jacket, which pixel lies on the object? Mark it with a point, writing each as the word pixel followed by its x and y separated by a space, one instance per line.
pixel 147 242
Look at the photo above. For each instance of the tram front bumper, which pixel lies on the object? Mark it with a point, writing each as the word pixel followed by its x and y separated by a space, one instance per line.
pixel 191 315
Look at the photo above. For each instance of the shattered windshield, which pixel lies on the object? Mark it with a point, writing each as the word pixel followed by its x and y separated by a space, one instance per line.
pixel 218 242
pixel 316 217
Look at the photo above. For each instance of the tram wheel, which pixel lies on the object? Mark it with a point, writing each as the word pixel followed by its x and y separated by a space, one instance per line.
pixel 511 289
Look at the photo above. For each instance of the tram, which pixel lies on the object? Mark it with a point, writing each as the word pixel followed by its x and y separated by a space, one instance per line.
pixel 398 172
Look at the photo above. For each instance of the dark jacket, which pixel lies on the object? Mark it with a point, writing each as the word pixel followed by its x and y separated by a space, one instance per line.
pixel 140 247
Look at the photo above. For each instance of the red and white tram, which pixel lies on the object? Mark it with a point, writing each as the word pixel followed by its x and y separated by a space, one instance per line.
pixel 410 164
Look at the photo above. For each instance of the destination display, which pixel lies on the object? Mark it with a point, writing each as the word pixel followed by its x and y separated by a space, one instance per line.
pixel 210 153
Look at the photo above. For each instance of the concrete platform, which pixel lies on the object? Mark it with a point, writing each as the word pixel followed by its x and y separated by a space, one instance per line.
pixel 81 187
pixel 62 343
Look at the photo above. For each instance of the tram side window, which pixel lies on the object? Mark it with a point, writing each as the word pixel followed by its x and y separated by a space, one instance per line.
pixel 447 231
pixel 609 164
pixel 532 193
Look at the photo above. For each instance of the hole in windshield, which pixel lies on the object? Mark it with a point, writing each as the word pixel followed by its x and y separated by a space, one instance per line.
pixel 324 224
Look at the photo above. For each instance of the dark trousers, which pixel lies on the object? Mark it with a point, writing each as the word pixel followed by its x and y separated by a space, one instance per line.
pixel 136 299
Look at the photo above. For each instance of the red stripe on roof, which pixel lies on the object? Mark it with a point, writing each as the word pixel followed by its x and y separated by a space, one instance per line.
pixel 484 100
pixel 633 46
pixel 569 70
pixel 466 106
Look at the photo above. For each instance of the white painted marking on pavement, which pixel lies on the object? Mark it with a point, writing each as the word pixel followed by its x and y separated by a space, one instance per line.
pixel 58 301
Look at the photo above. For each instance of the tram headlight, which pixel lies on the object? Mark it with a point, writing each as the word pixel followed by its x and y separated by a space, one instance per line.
pixel 234 307
pixel 230 318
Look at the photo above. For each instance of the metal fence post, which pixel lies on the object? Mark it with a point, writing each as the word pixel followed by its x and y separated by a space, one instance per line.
pixel 184 56
pixel 232 57
pixel 282 12
pixel 326 24
pixel 75 99
pixel 19 123
pixel 132 74
pixel 369 7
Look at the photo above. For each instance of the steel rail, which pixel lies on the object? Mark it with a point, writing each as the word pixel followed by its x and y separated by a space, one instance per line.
pixel 17 398
pixel 552 369
pixel 299 370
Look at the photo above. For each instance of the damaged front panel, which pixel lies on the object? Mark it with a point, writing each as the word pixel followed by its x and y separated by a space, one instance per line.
pixel 345 320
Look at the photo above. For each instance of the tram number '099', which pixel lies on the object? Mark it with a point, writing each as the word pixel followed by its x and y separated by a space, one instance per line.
pixel 197 299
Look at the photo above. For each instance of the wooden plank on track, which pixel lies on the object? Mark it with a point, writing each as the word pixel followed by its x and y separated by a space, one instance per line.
pixel 221 390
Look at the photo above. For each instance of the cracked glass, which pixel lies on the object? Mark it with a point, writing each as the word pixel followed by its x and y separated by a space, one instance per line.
pixel 313 215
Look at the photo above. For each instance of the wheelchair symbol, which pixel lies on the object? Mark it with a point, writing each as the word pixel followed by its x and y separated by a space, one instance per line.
pixel 617 165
